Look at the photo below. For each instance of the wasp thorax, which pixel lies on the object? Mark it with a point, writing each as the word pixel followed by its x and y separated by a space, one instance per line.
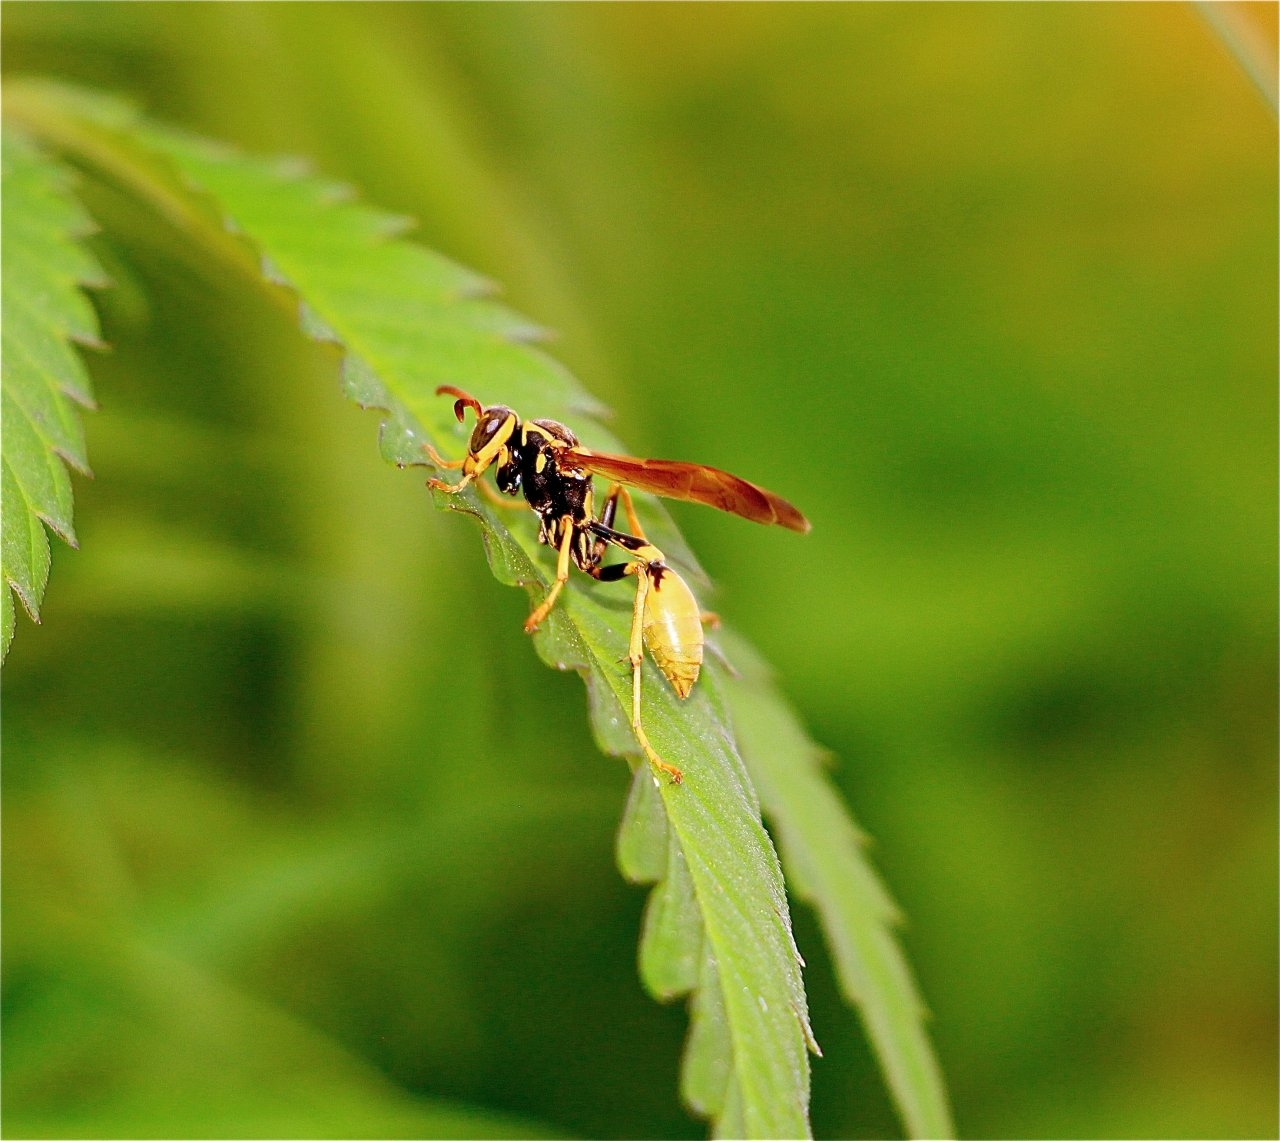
pixel 558 431
pixel 487 426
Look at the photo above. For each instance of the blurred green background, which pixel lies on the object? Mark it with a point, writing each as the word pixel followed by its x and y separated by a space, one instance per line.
pixel 299 838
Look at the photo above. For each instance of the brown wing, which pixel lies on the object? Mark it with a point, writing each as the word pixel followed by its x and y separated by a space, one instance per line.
pixel 694 482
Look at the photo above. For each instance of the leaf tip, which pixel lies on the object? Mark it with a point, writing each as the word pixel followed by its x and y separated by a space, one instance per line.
pixel 62 528
pixel 30 603
pixel 78 463
pixel 806 1029
pixel 272 272
pixel 315 326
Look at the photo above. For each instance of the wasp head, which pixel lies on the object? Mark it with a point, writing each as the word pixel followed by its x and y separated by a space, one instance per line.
pixel 495 425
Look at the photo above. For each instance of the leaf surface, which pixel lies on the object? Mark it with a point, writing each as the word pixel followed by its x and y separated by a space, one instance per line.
pixel 43 378
pixel 408 320
pixel 717 927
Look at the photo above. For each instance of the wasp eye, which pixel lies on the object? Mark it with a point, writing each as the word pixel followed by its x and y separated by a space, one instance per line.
pixel 491 421
pixel 485 429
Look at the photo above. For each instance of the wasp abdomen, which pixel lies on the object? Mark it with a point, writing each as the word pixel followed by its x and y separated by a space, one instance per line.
pixel 673 627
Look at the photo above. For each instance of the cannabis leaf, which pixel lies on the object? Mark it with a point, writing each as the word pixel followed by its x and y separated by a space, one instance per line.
pixel 44 311
pixel 717 926
pixel 408 320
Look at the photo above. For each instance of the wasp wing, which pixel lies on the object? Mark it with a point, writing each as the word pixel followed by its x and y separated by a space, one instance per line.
pixel 696 483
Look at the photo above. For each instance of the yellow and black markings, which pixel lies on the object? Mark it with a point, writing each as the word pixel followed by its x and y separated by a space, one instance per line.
pixel 543 460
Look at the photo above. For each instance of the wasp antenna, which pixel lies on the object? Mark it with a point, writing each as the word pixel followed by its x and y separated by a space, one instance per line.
pixel 465 400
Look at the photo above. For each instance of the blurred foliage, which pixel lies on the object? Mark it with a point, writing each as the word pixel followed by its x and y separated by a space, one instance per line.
pixel 989 290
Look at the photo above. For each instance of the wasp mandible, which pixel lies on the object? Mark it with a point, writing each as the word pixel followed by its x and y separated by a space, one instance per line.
pixel 543 459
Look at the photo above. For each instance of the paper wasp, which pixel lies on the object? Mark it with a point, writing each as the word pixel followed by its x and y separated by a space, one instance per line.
pixel 543 459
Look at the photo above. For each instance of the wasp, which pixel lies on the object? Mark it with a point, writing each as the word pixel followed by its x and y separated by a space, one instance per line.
pixel 543 460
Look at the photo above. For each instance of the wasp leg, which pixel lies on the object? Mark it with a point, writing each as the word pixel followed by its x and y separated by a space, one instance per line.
pixel 636 656
pixel 562 576
pixel 616 492
pixel 494 496
pixel 635 545
pixel 614 572
pixel 599 547
pixel 439 460
pixel 449 488
pixel 448 465
pixel 633 520
pixel 607 513
pixel 610 507
pixel 645 555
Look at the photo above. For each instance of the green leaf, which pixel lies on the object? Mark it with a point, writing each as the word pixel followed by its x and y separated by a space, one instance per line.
pixel 44 310
pixel 822 852
pixel 716 927
pixel 409 320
